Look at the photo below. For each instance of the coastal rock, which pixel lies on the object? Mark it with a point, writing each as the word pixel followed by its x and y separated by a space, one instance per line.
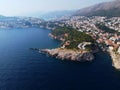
pixel 115 59
pixel 66 54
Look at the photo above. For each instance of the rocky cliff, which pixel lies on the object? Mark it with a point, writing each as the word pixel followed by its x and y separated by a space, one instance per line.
pixel 115 59
pixel 66 54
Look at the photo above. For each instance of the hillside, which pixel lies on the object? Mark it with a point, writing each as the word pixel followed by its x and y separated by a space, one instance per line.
pixel 57 14
pixel 74 37
pixel 103 9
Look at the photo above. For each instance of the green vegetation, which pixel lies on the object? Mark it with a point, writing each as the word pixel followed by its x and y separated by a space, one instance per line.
pixel 75 37
pixel 60 31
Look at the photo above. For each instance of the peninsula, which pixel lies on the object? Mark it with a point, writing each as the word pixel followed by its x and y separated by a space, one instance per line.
pixel 76 46
pixel 103 30
pixel 78 35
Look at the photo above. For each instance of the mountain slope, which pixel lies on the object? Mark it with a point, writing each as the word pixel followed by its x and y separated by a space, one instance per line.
pixel 57 14
pixel 103 9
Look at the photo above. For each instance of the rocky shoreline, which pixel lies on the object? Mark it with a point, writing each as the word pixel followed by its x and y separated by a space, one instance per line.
pixel 66 54
pixel 115 59
pixel 63 53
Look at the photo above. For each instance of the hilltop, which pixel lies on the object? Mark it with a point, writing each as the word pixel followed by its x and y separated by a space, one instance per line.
pixel 109 9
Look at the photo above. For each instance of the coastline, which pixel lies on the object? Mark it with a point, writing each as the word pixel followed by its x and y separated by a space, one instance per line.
pixel 67 54
pixel 115 59
pixel 63 53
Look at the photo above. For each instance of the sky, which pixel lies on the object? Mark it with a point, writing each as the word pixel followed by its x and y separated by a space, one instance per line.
pixel 23 7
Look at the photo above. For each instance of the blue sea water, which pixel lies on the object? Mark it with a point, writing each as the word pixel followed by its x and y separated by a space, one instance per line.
pixel 24 69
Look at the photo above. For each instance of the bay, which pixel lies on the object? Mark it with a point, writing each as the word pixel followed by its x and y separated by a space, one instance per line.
pixel 24 69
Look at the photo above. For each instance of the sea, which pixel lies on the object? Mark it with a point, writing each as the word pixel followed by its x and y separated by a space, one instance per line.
pixel 25 69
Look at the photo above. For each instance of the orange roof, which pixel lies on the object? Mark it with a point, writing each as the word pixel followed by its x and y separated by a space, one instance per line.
pixel 109 42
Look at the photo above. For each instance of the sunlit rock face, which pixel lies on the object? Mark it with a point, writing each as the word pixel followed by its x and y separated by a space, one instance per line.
pixel 115 59
pixel 65 54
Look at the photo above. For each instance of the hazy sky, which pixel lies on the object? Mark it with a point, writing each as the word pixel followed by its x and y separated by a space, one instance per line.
pixel 22 7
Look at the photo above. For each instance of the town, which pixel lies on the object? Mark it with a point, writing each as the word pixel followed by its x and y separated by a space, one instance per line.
pixel 108 37
pixel 20 22
pixel 104 30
